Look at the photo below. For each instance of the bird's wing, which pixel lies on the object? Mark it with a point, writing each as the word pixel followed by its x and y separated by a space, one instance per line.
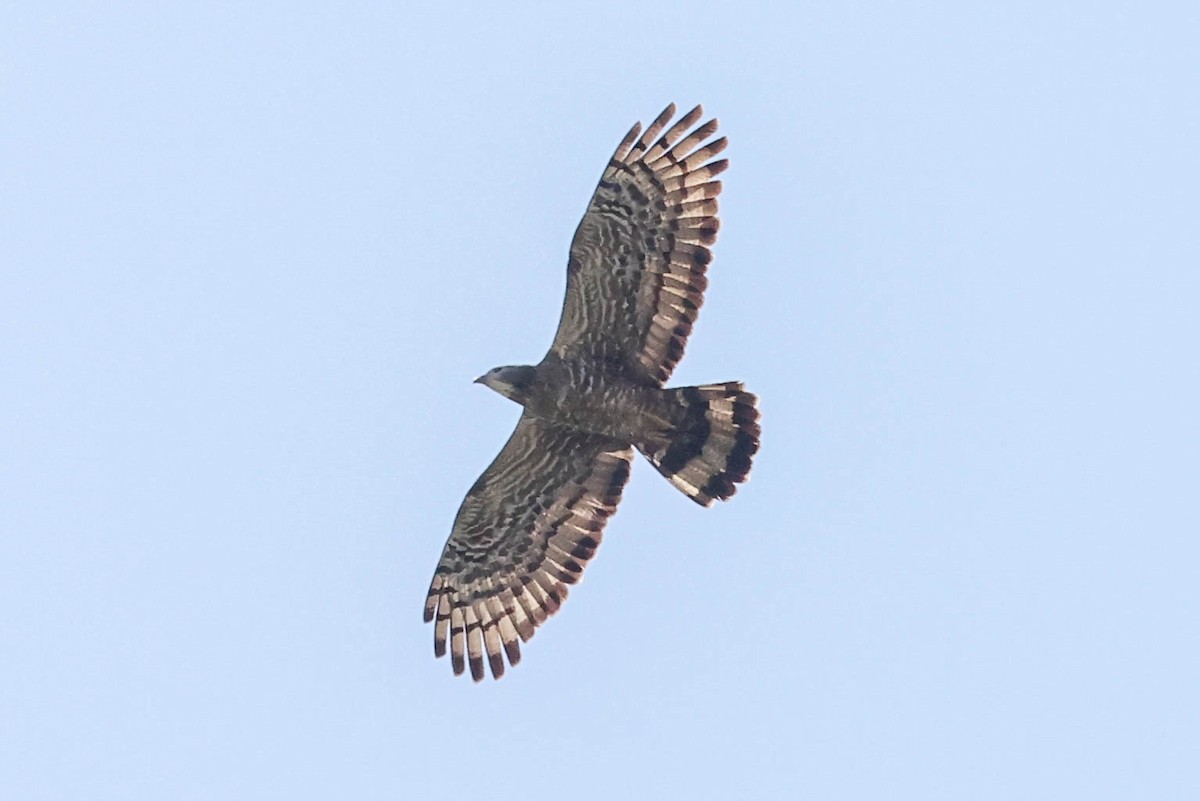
pixel 635 279
pixel 524 532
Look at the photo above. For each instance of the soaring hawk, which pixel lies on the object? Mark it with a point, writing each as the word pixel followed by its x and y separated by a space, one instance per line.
pixel 635 281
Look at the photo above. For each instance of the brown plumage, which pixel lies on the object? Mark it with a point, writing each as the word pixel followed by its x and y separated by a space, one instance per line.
pixel 635 282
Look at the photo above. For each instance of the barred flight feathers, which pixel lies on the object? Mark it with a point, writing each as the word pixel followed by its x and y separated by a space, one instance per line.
pixel 636 275
pixel 523 534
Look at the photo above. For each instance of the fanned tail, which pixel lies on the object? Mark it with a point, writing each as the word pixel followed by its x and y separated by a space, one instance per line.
pixel 710 451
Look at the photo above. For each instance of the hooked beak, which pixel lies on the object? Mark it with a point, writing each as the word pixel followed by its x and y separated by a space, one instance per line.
pixel 480 380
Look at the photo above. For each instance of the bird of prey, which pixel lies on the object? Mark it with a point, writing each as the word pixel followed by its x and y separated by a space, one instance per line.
pixel 635 281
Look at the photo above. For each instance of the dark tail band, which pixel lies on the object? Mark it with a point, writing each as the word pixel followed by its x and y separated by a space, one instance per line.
pixel 710 452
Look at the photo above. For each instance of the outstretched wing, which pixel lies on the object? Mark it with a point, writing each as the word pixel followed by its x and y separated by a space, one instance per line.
pixel 635 279
pixel 524 532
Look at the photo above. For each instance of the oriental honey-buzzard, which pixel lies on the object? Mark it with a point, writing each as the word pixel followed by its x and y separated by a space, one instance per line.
pixel 635 281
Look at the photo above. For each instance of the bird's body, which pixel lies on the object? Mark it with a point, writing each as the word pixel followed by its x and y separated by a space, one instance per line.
pixel 635 282
pixel 588 397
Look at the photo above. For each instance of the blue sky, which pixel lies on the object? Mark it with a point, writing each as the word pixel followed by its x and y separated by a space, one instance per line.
pixel 252 257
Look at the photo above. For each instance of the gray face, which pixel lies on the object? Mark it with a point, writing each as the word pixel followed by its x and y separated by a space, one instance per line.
pixel 512 381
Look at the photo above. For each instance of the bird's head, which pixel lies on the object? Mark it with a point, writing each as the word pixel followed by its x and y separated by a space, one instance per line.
pixel 512 382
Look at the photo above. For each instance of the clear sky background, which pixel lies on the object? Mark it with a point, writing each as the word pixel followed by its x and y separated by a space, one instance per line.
pixel 252 256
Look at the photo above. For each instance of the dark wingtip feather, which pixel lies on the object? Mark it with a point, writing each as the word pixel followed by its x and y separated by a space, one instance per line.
pixel 512 649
